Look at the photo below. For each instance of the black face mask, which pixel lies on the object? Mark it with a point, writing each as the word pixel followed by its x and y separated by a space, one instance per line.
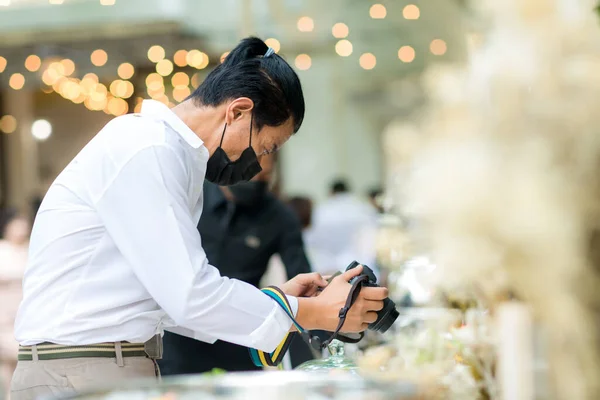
pixel 224 172
pixel 249 194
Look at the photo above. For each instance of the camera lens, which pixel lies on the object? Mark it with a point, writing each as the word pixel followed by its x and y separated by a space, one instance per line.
pixel 385 317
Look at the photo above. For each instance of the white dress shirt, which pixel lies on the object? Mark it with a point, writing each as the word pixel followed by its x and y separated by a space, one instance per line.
pixel 115 254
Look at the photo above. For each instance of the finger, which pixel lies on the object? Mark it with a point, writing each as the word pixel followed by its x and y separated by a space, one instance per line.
pixel 374 293
pixel 372 305
pixel 312 279
pixel 370 317
pixel 346 276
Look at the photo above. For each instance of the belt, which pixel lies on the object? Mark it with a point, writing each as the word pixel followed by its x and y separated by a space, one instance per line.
pixel 51 351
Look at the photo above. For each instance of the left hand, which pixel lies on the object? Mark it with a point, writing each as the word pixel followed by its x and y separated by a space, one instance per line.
pixel 304 285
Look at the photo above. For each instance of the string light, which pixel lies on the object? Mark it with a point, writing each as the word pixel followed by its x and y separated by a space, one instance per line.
pixel 197 59
pixel 274 44
pixel 8 124
pixel 57 68
pixel 99 57
pixel 154 81
pixel 180 79
pixel 340 30
pixel 125 71
pixel 377 11
pixel 438 47
pixel 129 89
pixel 156 53
pixel 56 1
pixel 33 63
pixel 306 24
pixel 406 54
pixel 303 62
pixel 180 93
pixel 367 61
pixel 343 48
pixel 164 67
pixel 411 11
pixel 117 106
pixel 180 58
pixel 107 2
pixel 16 81
pixel 195 81
pixel 3 63
pixel 68 67
pixel 41 129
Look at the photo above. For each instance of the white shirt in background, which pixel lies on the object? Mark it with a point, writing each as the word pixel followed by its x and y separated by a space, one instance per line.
pixel 115 254
pixel 343 230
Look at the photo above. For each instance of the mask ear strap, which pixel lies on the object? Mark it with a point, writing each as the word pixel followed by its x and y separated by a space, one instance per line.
pixel 251 123
pixel 223 135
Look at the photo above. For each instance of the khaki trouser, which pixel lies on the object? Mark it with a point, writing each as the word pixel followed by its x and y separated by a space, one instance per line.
pixel 67 376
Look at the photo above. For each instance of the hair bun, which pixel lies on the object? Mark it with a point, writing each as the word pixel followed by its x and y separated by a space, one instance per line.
pixel 251 47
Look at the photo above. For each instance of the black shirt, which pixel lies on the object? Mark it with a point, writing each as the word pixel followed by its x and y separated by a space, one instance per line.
pixel 239 241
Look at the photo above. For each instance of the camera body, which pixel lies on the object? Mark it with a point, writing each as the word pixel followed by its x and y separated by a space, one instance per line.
pixel 388 314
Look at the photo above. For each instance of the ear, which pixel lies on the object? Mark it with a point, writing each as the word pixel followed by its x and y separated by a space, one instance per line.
pixel 239 109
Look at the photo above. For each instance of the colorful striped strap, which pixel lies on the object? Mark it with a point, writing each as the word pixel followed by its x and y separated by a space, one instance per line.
pixel 264 359
pixel 51 351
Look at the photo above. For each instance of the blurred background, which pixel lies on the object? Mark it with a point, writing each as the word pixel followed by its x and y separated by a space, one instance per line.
pixel 69 66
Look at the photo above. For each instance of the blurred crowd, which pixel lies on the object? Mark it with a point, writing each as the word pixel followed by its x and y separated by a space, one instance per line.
pixel 271 236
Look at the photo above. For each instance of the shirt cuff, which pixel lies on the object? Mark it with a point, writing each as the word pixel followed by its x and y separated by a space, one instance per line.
pixel 273 330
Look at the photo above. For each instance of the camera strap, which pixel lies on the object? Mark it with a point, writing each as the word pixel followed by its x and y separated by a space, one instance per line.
pixel 263 359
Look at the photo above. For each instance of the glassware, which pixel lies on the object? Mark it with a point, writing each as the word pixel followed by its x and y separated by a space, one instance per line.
pixel 276 385
pixel 336 363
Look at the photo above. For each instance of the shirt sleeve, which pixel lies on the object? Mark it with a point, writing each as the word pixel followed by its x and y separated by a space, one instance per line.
pixel 146 210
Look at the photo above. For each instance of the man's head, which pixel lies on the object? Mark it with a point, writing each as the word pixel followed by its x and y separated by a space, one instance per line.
pixel 339 186
pixel 15 228
pixel 302 206
pixel 254 89
pixel 375 199
pixel 251 194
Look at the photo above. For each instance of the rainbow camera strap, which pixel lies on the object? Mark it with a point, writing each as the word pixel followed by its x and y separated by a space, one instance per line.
pixel 264 359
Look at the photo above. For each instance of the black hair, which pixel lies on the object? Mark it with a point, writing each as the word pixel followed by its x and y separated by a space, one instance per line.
pixel 6 217
pixel 269 82
pixel 376 192
pixel 339 186
pixel 302 206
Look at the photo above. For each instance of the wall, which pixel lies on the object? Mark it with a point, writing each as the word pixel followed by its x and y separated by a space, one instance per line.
pixel 337 138
pixel 73 127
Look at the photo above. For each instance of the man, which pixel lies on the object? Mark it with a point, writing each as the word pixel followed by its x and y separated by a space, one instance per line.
pixel 115 257
pixel 343 228
pixel 242 227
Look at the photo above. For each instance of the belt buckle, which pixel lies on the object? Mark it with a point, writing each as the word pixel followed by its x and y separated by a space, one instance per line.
pixel 154 347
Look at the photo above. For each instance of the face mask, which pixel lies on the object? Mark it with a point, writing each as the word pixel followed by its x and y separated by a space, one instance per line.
pixel 224 172
pixel 249 193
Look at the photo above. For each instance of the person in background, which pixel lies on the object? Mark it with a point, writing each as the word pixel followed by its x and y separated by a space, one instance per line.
pixel 242 227
pixel 342 230
pixel 303 208
pixel 14 243
pixel 375 199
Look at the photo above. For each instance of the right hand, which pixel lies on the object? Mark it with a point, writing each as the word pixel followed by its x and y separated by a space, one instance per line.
pixel 361 314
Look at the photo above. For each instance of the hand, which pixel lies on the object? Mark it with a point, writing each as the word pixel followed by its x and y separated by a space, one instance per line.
pixel 304 285
pixel 322 312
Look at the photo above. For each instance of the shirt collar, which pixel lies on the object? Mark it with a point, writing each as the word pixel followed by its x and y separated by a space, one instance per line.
pixel 156 109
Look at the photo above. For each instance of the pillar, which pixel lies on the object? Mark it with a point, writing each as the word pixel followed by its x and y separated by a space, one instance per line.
pixel 21 151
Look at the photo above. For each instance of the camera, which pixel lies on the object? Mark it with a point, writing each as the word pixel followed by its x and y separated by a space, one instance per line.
pixel 388 314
